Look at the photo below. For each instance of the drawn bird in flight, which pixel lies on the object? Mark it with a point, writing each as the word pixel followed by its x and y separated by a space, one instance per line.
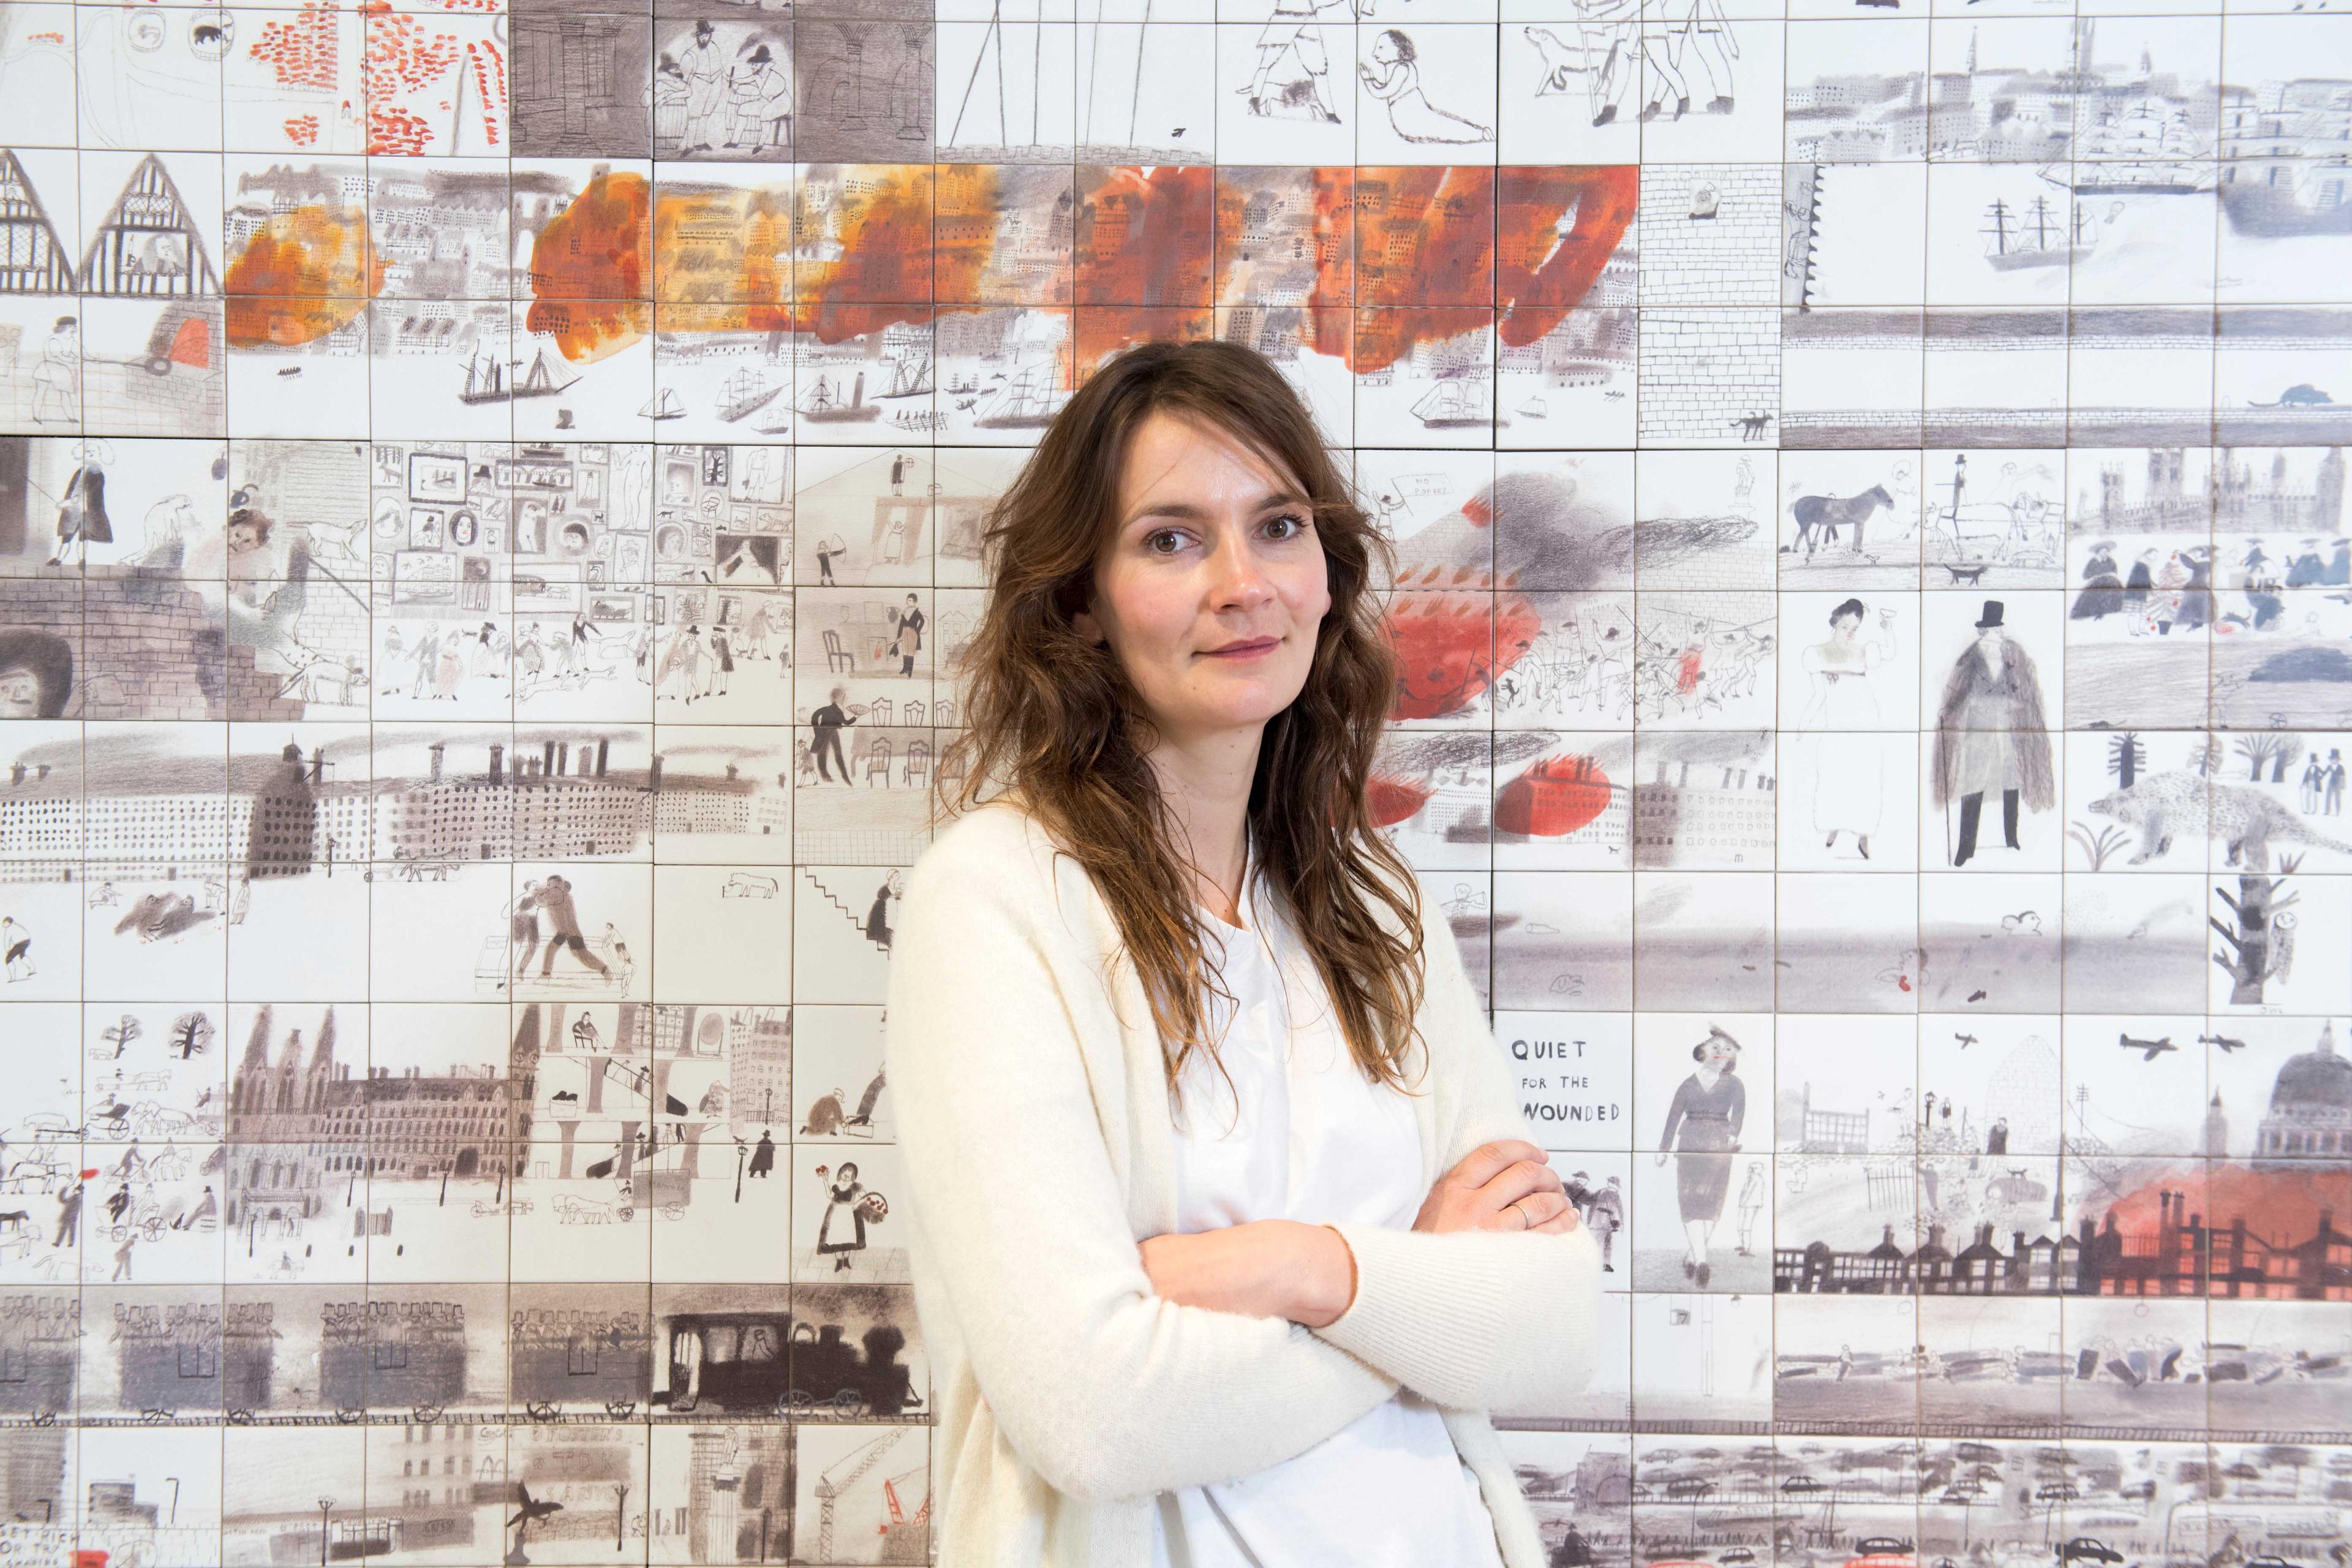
pixel 2153 1048
pixel 2224 1041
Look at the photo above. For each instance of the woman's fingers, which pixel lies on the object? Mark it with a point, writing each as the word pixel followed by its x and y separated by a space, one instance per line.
pixel 1543 1211
pixel 1520 1179
pixel 1483 1163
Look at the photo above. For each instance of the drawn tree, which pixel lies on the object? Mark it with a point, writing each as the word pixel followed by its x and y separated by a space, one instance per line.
pixel 2207 758
pixel 2268 748
pixel 2254 908
pixel 2125 757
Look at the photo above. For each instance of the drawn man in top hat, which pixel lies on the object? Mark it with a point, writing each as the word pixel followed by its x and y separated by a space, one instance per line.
pixel 1991 733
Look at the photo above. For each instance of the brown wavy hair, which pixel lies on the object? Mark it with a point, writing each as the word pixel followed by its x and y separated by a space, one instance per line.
pixel 1051 719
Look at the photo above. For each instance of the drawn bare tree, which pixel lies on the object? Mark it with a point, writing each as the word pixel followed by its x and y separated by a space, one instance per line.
pixel 2258 903
pixel 2272 748
pixel 2125 757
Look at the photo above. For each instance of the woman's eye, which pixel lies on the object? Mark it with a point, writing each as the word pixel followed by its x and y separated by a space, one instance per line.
pixel 1151 542
pixel 1298 524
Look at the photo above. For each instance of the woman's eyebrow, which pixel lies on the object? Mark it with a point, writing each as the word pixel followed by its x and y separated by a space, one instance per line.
pixel 1188 511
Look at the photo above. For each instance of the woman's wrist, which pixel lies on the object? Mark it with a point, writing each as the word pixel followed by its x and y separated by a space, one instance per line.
pixel 1323 1281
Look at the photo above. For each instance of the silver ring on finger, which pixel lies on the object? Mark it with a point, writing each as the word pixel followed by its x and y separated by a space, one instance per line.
pixel 1525 1222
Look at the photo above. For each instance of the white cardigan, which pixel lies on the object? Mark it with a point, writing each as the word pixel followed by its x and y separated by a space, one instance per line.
pixel 1039 1148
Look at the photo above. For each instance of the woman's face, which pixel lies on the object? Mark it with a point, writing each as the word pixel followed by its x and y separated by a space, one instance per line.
pixel 1384 49
pixel 1719 1059
pixel 1845 625
pixel 1213 585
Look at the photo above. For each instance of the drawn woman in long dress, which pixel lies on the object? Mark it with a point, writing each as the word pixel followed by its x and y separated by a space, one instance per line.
pixel 844 1203
pixel 1848 782
pixel 1708 1111
pixel 1398 85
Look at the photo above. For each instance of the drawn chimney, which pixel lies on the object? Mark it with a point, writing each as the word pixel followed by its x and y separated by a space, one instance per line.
pixel 318 764
pixel 498 761
pixel 1661 779
pixel 603 748
pixel 547 760
pixel 40 771
pixel 1683 780
pixel 653 776
pixel 562 758
pixel 16 772
pixel 730 773
pixel 434 750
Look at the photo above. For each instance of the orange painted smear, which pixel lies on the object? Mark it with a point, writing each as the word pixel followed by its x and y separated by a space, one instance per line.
pixel 1540 274
pixel 1143 235
pixel 590 267
pixel 300 275
pixel 1101 330
pixel 883 273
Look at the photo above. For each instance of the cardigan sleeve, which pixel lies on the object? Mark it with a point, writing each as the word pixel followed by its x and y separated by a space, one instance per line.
pixel 1103 1387
pixel 1474 1320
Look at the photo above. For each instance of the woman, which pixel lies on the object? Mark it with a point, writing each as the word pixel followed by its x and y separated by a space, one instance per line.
pixel 1226 1230
pixel 1848 778
pixel 842 1230
pixel 2103 590
pixel 1706 1111
pixel 1398 84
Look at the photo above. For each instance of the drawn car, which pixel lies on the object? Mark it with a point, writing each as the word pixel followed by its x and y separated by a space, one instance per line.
pixel 1737 1555
pixel 2055 1491
pixel 1881 1551
pixel 1801 1484
pixel 2082 1549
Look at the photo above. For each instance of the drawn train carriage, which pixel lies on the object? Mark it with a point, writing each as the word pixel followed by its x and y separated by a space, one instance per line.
pixel 767 1361
pixel 392 1355
pixel 564 1359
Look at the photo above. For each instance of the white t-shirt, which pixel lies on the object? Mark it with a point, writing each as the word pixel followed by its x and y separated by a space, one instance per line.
pixel 1313 1142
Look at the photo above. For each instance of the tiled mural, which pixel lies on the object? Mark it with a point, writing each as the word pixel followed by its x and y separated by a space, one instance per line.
pixel 1875 625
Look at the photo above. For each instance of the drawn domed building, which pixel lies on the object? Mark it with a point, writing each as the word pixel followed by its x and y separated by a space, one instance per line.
pixel 2311 1109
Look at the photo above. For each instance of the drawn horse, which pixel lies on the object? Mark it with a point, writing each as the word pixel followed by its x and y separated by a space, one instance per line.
pixel 1829 513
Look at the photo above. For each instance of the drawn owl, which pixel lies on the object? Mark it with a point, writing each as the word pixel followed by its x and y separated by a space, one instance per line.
pixel 2282 959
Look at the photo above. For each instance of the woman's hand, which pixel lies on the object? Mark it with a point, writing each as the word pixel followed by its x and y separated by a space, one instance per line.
pixel 1262 1268
pixel 1480 1192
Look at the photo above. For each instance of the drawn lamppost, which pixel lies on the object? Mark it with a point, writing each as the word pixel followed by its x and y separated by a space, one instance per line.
pixel 742 1153
pixel 324 1504
pixel 174 1517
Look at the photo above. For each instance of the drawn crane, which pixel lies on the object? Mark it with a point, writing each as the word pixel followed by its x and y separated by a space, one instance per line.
pixel 828 1488
pixel 898 1511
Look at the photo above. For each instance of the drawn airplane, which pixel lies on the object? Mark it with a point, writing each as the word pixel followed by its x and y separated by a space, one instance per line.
pixel 1966 1040
pixel 532 1511
pixel 2224 1041
pixel 2154 1048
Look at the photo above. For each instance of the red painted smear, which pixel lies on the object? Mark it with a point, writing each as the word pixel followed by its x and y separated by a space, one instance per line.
pixel 302 129
pixel 588 269
pixel 1553 798
pixel 301 50
pixel 1392 800
pixel 1143 235
pixel 300 275
pixel 1479 510
pixel 192 345
pixel 1450 645
pixel 2278 1205
pixel 1542 275
pixel 1687 669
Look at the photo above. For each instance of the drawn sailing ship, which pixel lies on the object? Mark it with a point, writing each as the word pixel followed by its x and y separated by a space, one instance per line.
pixel 1026 401
pixel 1452 402
pixel 2148 149
pixel 911 373
pixel 2035 238
pixel 664 406
pixel 745 392
pixel 487 380
pixel 824 403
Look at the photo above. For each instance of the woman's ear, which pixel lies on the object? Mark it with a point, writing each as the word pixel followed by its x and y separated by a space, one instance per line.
pixel 1088 628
